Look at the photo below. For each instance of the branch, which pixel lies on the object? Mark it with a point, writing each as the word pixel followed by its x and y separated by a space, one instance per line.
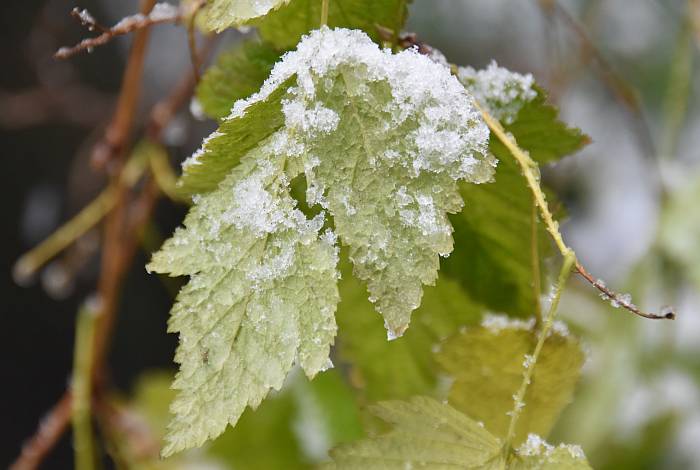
pixel 528 166
pixel 51 428
pixel 622 300
pixel 161 13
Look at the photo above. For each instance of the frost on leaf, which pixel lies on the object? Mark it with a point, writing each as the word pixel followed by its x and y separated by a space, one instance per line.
pixel 221 14
pixel 502 92
pixel 261 297
pixel 381 140
pixel 537 454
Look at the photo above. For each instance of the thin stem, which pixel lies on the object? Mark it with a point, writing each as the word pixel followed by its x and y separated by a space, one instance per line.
pixel 531 172
pixel 535 255
pixel 51 428
pixel 324 12
pixel 27 265
pixel 531 361
pixel 81 386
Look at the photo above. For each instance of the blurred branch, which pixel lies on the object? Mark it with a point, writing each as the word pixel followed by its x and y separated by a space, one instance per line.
pixel 51 428
pixel 81 386
pixel 161 13
pixel 623 92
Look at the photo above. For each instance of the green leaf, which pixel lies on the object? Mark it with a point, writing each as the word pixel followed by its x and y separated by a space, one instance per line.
pixel 261 297
pixel 285 26
pixel 404 367
pixel 237 74
pixel 218 15
pixel 425 434
pixel 487 365
pixel 235 137
pixel 536 454
pixel 381 140
pixel 493 239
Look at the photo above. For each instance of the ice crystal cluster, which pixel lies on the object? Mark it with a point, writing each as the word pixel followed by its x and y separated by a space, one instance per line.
pixel 501 91
pixel 382 140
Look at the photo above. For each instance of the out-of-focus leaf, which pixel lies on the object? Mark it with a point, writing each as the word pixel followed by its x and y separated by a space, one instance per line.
pixel 237 74
pixel 218 15
pixel 487 363
pixel 679 234
pixel 405 366
pixel 424 434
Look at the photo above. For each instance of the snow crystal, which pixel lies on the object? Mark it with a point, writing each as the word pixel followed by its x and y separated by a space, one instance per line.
pixel 535 446
pixel 163 12
pixel 497 323
pixel 502 92
pixel 451 135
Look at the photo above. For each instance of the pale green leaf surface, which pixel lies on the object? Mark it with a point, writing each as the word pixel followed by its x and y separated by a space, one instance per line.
pixel 381 140
pixel 424 434
pixel 238 73
pixel 218 15
pixel 285 26
pixel 404 367
pixel 493 242
pixel 261 297
pixel 487 365
pixel 384 138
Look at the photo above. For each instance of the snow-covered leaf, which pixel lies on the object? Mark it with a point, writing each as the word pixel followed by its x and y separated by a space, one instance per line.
pixel 381 140
pixel 424 434
pixel 487 363
pixel 285 26
pixel 261 296
pixel 237 74
pixel 493 235
pixel 218 15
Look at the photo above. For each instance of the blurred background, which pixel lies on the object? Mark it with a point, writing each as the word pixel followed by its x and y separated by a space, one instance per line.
pixel 624 71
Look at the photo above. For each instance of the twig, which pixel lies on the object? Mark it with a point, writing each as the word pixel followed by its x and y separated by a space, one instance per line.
pixel 162 13
pixel 531 360
pixel 81 385
pixel 623 93
pixel 622 300
pixel 528 167
pixel 27 265
pixel 192 40
pixel 51 428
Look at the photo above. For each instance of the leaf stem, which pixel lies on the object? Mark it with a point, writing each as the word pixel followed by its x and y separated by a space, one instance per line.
pixel 81 386
pixel 27 265
pixel 324 12
pixel 531 361
pixel 534 253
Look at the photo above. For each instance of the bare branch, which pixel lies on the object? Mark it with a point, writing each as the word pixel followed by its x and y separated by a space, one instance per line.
pixel 622 300
pixel 50 430
pixel 161 13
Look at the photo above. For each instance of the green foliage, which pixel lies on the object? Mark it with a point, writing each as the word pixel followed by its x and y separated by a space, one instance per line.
pixel 218 15
pixel 370 144
pixel 487 365
pixel 493 241
pixel 404 367
pixel 237 74
pixel 252 308
pixel 285 26
pixel 424 434
pixel 431 435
